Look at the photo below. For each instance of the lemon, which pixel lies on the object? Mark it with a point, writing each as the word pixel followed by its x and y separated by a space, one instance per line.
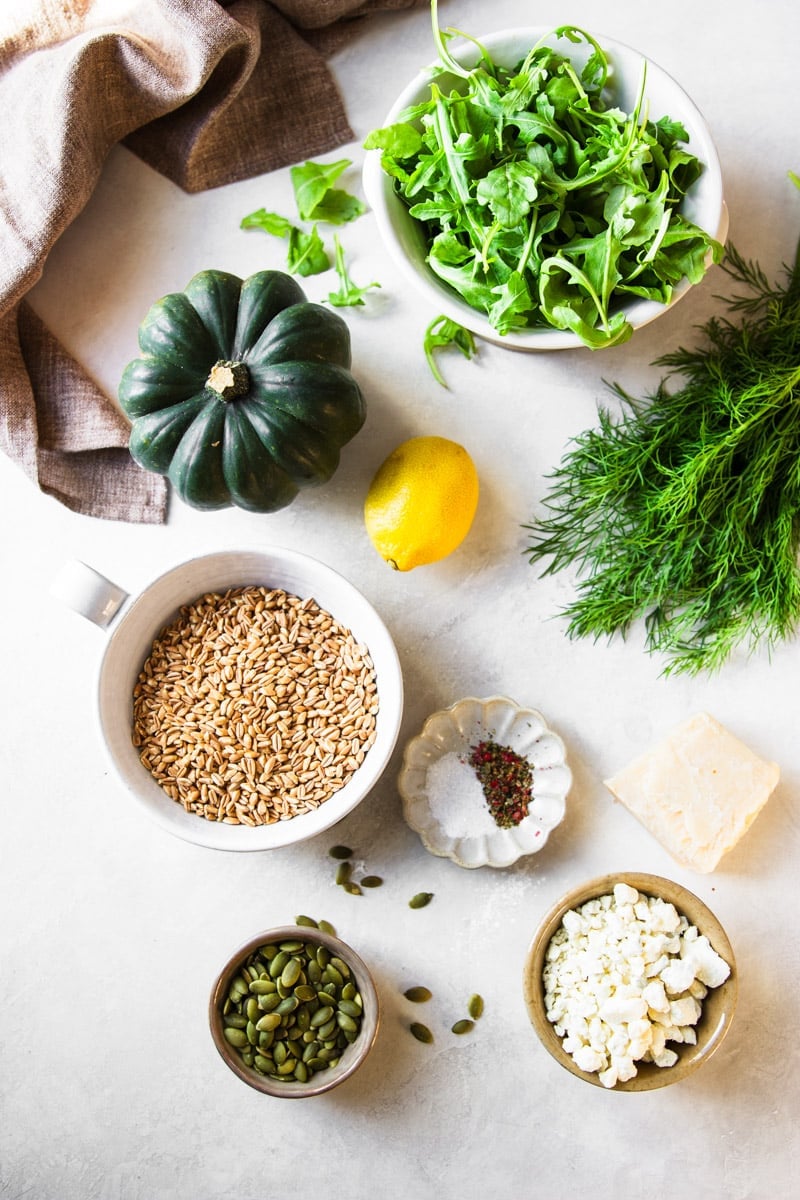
pixel 422 501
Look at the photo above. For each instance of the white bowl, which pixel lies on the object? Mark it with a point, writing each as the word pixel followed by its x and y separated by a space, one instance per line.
pixel 403 236
pixel 454 730
pixel 131 641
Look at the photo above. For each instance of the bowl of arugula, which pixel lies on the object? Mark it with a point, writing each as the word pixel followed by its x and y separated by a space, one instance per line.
pixel 546 189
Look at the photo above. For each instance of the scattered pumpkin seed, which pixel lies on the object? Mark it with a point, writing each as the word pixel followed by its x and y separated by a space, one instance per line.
pixel 326 927
pixel 343 873
pixel 475 1006
pixel 420 900
pixel 371 881
pixel 417 995
pixel 302 919
pixel 421 1032
pixel 352 889
pixel 340 852
pixel 463 1026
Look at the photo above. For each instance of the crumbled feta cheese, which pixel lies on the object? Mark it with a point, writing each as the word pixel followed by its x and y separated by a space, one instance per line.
pixel 624 975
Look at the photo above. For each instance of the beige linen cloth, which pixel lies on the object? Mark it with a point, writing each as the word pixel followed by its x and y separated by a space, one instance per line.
pixel 207 93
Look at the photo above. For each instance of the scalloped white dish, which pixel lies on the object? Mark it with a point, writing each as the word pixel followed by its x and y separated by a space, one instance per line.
pixel 453 731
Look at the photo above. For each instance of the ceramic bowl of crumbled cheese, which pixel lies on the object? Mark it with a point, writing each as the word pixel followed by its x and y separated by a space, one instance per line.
pixel 630 982
pixel 484 782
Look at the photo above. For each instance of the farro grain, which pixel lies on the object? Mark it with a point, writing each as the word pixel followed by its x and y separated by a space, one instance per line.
pixel 254 706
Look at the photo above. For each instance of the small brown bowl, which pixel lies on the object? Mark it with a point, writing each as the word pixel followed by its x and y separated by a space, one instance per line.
pixel 352 1056
pixel 718 1005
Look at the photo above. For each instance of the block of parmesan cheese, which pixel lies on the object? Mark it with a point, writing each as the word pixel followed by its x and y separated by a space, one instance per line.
pixel 697 791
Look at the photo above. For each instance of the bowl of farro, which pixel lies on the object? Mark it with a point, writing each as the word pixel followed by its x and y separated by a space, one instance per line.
pixel 250 699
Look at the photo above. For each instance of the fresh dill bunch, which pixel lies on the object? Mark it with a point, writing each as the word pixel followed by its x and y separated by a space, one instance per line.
pixel 685 510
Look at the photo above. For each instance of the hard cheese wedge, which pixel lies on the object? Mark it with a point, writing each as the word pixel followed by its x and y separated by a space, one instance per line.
pixel 697 792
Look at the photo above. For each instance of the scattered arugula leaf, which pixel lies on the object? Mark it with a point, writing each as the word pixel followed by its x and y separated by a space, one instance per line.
pixel 316 197
pixel 349 293
pixel 307 254
pixel 317 200
pixel 540 205
pixel 442 333
pixel 685 511
pixel 269 222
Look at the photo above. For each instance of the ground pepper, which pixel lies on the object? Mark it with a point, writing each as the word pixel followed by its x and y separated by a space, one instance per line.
pixel 506 779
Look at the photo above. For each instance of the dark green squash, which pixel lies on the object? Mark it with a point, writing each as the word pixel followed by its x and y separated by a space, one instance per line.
pixel 243 392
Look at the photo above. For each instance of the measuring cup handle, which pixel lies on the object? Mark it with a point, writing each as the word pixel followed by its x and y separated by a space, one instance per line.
pixel 88 592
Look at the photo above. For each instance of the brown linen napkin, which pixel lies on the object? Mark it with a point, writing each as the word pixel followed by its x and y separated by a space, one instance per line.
pixel 206 94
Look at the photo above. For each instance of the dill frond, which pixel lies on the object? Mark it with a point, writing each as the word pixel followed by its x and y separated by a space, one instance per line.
pixel 684 511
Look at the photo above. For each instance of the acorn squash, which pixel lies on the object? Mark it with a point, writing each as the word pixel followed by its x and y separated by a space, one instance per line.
pixel 242 394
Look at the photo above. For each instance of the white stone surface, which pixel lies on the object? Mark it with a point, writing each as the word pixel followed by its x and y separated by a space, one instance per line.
pixel 112 930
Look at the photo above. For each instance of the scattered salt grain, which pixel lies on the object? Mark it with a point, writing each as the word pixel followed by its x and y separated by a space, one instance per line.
pixel 456 799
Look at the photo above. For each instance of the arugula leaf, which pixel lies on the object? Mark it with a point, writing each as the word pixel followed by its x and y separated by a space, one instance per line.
pixel 270 222
pixel 442 333
pixel 540 204
pixel 307 254
pixel 316 197
pixel 349 293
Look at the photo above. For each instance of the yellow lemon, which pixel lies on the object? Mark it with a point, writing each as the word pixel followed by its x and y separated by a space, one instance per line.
pixel 422 501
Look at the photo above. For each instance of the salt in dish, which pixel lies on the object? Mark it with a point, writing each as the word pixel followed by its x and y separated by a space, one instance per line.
pixel 443 795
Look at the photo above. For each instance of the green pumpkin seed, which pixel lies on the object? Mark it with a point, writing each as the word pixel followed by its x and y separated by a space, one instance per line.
pixel 352 889
pixel 304 920
pixel 261 1063
pixel 235 1020
pixel 349 1007
pixel 270 1002
pixel 321 1016
pixel 421 1032
pixel 326 1030
pixel 262 987
pixel 235 1037
pixel 278 963
pixel 475 1006
pixel 248 1058
pixel 304 992
pixel 340 852
pixel 340 965
pixel 287 1005
pixel 371 881
pixel 301 1072
pixel 310 1050
pixel 288 1066
pixel 269 1021
pixel 252 1009
pixel 463 1026
pixel 418 995
pixel 292 946
pixel 346 1022
pixel 420 900
pixel 326 927
pixel 291 973
pixel 331 975
pixel 343 873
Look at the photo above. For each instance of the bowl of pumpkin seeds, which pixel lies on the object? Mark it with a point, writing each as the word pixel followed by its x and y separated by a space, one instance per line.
pixel 294 1011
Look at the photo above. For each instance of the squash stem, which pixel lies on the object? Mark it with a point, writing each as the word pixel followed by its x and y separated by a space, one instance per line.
pixel 229 379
